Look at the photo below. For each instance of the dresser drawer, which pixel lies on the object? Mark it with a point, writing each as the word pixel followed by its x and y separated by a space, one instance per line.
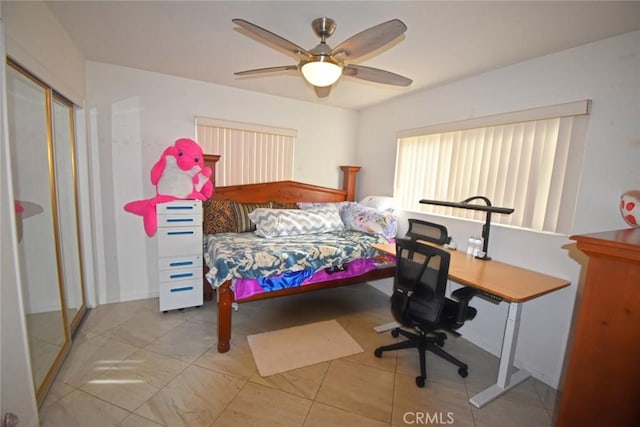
pixel 174 263
pixel 180 207
pixel 174 220
pixel 180 294
pixel 179 241
pixel 180 274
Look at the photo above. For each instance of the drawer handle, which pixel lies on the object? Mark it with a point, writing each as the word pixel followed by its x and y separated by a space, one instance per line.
pixel 175 208
pixel 175 233
pixel 186 288
pixel 180 220
pixel 180 275
pixel 180 263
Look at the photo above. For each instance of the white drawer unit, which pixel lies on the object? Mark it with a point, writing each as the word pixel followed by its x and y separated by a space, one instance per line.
pixel 179 241
pixel 180 254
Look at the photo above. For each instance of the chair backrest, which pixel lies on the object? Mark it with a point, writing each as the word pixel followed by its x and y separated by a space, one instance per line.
pixel 428 231
pixel 420 282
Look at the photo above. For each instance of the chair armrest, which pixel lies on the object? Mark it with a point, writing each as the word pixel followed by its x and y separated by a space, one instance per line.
pixel 464 295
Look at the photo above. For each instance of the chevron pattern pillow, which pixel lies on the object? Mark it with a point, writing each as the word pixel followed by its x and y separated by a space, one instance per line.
pixel 291 222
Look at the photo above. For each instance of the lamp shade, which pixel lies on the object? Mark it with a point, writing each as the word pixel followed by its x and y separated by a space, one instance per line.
pixel 321 73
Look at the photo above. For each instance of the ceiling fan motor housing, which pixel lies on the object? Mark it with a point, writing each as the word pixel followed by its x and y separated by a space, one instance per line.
pixel 323 27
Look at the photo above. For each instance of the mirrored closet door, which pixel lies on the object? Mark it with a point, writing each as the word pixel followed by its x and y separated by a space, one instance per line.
pixel 67 202
pixel 41 139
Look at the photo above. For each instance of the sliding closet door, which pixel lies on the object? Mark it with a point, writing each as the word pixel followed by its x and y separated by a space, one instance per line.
pixel 67 202
pixel 28 110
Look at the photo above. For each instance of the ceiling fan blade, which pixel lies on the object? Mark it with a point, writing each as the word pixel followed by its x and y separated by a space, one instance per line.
pixel 370 39
pixel 272 38
pixel 376 75
pixel 266 70
pixel 322 92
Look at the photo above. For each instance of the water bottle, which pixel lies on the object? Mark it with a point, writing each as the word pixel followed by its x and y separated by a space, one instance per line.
pixel 477 246
pixel 470 246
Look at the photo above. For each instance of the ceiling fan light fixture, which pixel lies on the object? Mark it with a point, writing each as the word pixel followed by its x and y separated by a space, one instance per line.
pixel 322 72
pixel 322 66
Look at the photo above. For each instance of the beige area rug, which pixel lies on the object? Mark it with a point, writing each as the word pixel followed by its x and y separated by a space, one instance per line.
pixel 285 349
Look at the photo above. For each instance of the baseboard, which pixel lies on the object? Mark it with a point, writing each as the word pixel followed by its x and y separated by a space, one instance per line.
pixel 131 297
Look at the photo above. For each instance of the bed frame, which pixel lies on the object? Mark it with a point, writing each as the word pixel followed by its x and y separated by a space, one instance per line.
pixel 283 192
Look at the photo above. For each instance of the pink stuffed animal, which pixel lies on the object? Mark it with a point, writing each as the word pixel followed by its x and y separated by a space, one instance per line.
pixel 179 174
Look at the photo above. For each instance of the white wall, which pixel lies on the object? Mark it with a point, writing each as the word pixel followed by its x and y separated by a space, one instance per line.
pixel 608 72
pixel 36 40
pixel 134 115
pixel 17 393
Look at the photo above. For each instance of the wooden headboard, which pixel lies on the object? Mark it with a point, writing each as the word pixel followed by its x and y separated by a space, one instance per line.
pixel 285 191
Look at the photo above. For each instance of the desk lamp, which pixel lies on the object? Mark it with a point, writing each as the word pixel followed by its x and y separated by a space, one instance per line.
pixel 488 209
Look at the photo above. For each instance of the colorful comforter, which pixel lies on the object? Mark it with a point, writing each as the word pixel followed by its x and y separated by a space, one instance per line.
pixel 245 255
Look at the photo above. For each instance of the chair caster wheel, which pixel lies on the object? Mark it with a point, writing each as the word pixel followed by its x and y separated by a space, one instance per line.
pixel 440 343
pixel 378 353
pixel 395 333
pixel 420 381
pixel 463 372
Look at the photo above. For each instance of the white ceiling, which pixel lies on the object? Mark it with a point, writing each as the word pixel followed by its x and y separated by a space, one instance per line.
pixel 445 41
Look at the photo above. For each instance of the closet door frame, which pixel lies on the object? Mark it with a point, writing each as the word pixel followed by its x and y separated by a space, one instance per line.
pixel 77 318
pixel 69 325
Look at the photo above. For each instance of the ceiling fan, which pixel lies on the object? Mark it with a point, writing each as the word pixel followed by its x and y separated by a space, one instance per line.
pixel 322 66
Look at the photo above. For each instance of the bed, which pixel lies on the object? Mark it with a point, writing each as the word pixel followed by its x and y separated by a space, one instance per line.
pixel 250 256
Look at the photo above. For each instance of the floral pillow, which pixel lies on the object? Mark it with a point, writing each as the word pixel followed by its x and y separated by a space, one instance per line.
pixel 291 222
pixel 363 218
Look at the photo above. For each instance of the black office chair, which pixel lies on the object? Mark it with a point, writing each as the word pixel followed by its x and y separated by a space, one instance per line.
pixel 419 302
pixel 431 232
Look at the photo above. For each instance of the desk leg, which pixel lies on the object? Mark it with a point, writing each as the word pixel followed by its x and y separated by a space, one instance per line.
pixel 506 379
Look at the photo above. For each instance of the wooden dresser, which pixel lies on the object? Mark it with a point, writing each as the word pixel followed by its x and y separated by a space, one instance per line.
pixel 602 383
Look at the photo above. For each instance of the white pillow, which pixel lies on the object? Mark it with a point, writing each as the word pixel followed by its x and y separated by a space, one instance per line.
pixel 381 203
pixel 291 222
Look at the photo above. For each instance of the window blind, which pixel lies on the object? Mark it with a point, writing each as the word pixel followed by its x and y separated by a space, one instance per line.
pixel 532 165
pixel 249 153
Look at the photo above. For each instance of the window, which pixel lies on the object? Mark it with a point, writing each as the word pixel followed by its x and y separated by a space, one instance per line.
pixel 527 160
pixel 249 153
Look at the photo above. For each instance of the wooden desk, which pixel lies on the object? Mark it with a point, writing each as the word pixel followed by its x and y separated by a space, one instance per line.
pixel 512 284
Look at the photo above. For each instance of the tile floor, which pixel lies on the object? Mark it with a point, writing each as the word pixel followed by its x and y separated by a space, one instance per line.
pixel 131 365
